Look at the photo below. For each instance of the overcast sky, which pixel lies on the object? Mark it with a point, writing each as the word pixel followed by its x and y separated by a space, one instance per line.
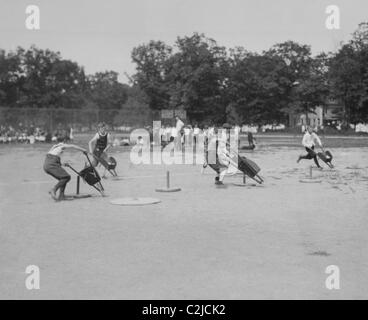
pixel 100 34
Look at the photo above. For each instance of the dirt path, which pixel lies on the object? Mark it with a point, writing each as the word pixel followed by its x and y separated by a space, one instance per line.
pixel 271 241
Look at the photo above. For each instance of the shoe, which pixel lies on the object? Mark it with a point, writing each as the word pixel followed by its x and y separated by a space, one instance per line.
pixel 300 158
pixel 64 198
pixel 219 183
pixel 53 194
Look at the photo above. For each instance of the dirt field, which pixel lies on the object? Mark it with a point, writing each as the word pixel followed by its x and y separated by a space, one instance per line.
pixel 269 242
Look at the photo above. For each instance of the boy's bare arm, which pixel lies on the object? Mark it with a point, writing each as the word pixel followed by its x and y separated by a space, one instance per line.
pixel 91 144
pixel 109 142
pixel 75 147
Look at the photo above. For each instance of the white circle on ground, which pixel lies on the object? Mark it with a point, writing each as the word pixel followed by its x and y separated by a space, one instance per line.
pixel 310 181
pixel 117 178
pixel 168 190
pixel 131 201
pixel 249 185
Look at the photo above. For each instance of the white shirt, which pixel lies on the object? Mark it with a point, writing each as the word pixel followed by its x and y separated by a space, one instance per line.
pixel 174 132
pixel 179 125
pixel 210 131
pixel 57 149
pixel 309 140
pixel 222 152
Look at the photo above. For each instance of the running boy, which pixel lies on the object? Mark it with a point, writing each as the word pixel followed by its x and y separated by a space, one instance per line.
pixel 309 141
pixel 52 166
pixel 218 156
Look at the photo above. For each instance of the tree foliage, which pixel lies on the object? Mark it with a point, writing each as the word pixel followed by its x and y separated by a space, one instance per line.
pixel 348 76
pixel 212 83
pixel 38 78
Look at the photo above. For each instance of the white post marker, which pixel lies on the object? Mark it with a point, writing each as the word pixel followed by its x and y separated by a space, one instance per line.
pixel 168 188
pixel 310 179
pixel 243 183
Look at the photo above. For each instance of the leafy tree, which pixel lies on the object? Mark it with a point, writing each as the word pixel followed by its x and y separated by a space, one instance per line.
pixel 39 78
pixel 191 78
pixel 150 60
pixel 348 76
pixel 10 77
pixel 303 77
pixel 256 87
pixel 196 78
pixel 106 91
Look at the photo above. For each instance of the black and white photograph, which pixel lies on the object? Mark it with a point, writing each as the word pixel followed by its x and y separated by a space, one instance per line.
pixel 183 150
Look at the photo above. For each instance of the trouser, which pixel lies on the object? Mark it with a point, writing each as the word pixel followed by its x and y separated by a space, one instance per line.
pixel 311 155
pixel 178 142
pixel 99 154
pixel 223 169
pixel 52 166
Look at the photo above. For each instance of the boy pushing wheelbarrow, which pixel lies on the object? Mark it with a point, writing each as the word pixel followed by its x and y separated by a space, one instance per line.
pixel 98 147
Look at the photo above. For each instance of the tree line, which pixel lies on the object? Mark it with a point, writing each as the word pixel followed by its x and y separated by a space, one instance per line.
pixel 212 83
pixel 37 78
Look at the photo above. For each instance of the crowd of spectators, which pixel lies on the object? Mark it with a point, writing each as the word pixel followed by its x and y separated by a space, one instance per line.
pixel 32 134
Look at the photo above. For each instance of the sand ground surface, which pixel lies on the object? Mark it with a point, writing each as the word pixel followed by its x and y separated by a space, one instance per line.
pixel 271 241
